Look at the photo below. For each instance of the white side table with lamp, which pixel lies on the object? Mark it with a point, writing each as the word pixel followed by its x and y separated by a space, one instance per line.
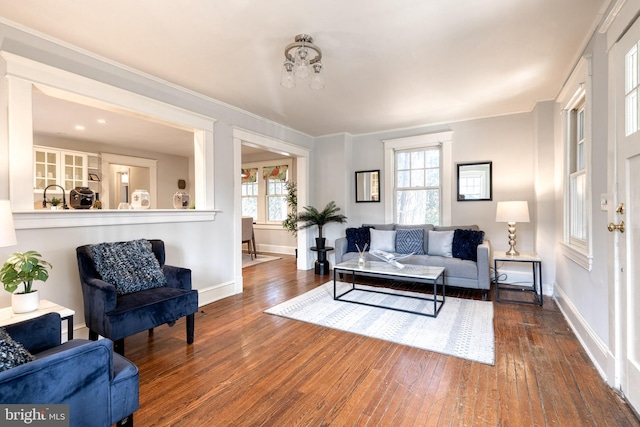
pixel 513 212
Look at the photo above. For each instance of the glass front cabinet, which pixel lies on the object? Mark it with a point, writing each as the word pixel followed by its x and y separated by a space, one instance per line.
pixel 67 169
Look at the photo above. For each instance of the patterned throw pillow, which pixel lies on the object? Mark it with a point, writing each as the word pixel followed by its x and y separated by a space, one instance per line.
pixel 410 241
pixel 465 244
pixel 12 353
pixel 130 266
pixel 357 236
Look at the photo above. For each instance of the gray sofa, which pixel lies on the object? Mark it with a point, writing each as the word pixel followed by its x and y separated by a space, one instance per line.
pixel 463 273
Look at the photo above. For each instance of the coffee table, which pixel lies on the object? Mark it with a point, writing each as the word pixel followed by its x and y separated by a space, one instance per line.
pixel 410 273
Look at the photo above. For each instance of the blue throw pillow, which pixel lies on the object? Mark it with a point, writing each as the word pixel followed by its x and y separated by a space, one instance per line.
pixel 130 266
pixel 12 353
pixel 359 236
pixel 410 241
pixel 465 244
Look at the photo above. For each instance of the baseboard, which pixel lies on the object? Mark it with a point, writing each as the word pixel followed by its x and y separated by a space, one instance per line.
pixel 275 249
pixel 596 349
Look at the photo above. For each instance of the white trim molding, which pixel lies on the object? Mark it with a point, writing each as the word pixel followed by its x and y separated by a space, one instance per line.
pixel 430 139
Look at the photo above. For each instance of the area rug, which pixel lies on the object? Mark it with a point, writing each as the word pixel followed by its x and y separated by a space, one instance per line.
pixel 464 328
pixel 259 259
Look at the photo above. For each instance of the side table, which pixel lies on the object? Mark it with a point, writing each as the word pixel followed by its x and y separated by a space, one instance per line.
pixel 536 268
pixel 8 317
pixel 322 264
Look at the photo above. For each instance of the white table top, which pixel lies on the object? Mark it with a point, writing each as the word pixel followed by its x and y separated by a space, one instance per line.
pixel 381 267
pixel 8 317
pixel 524 256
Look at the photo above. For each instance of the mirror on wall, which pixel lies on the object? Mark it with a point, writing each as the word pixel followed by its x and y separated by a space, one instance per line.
pixel 474 181
pixel 368 186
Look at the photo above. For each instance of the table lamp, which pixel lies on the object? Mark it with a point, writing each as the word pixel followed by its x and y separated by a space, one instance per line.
pixel 511 213
pixel 7 231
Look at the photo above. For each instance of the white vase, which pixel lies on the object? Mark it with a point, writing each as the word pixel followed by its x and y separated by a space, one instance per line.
pixel 140 199
pixel 25 303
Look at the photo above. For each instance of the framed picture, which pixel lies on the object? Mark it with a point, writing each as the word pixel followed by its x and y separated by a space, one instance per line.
pixel 94 177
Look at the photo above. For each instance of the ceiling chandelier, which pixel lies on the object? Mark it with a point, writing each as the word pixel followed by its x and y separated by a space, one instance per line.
pixel 302 60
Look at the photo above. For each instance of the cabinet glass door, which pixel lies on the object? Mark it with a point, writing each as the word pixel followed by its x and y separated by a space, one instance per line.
pixel 74 171
pixel 46 169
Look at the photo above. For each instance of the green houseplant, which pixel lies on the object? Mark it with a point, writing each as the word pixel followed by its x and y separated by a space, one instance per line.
pixel 24 267
pixel 312 216
pixel 291 222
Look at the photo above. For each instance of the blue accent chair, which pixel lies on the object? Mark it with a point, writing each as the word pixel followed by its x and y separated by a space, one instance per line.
pixel 118 316
pixel 100 387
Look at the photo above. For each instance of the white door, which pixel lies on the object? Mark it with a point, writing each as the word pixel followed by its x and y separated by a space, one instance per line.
pixel 626 68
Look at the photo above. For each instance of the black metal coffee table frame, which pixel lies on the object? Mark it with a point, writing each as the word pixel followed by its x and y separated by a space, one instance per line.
pixel 401 275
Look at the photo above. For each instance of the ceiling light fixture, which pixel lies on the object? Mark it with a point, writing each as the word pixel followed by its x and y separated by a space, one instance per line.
pixel 302 59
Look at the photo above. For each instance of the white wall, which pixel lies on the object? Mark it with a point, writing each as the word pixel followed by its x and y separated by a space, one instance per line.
pixel 202 245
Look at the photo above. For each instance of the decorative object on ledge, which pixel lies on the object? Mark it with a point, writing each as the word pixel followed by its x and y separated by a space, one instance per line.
pixel 302 58
pixel 24 267
pixel 140 199
pixel 511 213
pixel 181 200
pixel 474 181
pixel 368 186
pixel 81 198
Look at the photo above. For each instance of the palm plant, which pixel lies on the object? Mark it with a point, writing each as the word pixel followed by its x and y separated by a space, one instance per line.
pixel 311 216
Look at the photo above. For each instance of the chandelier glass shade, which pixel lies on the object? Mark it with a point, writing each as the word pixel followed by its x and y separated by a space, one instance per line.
pixel 302 60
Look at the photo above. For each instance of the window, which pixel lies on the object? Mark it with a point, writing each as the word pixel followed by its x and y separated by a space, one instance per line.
pixel 418 172
pixel 417 186
pixel 250 192
pixel 575 100
pixel 264 192
pixel 631 90
pixel 577 177
pixel 276 177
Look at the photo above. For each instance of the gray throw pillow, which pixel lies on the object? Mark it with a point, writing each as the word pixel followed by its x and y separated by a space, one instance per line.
pixel 440 243
pixel 129 266
pixel 383 240
pixel 12 353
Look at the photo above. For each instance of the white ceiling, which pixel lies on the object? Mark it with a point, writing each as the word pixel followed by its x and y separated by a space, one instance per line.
pixel 388 64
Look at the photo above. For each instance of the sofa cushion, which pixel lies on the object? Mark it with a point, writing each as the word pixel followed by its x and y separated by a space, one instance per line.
pixel 383 240
pixel 12 353
pixel 425 227
pixel 358 236
pixel 440 243
pixel 129 266
pixel 465 244
pixel 410 241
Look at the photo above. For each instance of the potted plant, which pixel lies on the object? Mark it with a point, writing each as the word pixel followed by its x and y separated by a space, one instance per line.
pixel 54 201
pixel 311 216
pixel 24 267
pixel 291 222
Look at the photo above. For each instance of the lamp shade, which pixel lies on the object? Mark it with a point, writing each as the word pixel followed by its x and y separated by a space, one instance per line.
pixel 7 231
pixel 512 212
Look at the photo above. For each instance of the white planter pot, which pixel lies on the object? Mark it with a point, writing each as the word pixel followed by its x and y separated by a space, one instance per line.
pixel 25 303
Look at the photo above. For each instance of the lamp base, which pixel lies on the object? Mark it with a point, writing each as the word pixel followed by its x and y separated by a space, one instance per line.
pixel 511 227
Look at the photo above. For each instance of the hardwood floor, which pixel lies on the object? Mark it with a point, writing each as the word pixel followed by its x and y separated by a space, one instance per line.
pixel 247 368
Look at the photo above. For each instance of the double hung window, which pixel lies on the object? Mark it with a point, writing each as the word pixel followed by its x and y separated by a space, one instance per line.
pixel 418 186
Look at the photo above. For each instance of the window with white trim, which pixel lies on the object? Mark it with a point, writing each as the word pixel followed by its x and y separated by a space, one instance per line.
pixel 264 193
pixel 575 101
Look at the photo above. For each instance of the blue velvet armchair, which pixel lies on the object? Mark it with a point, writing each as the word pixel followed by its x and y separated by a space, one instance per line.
pixel 116 316
pixel 100 387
